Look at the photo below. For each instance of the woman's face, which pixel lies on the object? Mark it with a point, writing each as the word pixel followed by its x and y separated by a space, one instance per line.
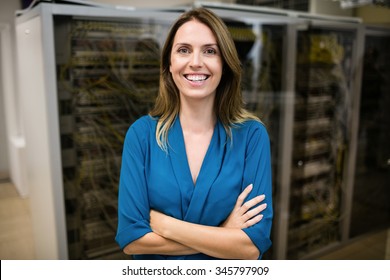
pixel 196 62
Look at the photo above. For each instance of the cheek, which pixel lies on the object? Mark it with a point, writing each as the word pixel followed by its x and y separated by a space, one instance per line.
pixel 218 74
pixel 173 67
pixel 218 69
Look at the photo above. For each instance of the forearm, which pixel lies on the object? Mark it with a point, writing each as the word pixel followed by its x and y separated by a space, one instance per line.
pixel 219 242
pixel 152 243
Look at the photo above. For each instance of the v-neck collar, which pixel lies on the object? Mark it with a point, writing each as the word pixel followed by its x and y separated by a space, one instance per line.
pixel 194 195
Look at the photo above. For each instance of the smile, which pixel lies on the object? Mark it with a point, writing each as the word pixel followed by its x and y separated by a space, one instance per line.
pixel 196 78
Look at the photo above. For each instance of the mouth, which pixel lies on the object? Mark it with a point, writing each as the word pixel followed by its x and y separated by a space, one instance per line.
pixel 197 78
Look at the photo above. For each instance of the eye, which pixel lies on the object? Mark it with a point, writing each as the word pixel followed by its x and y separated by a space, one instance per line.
pixel 183 50
pixel 210 51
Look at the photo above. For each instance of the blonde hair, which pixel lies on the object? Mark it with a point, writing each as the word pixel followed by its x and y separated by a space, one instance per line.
pixel 229 106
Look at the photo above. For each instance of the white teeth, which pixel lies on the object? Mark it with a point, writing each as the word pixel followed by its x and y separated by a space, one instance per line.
pixel 196 77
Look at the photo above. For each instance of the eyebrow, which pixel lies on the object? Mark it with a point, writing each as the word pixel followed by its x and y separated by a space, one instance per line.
pixel 187 44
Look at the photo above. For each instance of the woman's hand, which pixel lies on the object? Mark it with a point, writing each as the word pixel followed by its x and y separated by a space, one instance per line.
pixel 159 222
pixel 243 214
pixel 232 243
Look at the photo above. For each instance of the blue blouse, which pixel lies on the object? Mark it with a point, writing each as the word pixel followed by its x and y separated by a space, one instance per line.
pixel 154 179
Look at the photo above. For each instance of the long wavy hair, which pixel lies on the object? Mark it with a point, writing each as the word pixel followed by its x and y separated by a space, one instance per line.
pixel 229 106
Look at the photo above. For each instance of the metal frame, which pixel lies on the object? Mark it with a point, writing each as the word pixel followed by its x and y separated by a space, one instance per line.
pixel 354 121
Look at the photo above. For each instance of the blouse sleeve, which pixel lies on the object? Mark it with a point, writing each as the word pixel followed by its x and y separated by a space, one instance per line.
pixel 258 172
pixel 133 204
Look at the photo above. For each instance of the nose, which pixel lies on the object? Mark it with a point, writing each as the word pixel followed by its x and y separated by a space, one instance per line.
pixel 196 59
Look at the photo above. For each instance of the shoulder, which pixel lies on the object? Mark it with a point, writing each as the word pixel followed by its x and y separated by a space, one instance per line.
pixel 142 128
pixel 144 122
pixel 254 137
pixel 250 129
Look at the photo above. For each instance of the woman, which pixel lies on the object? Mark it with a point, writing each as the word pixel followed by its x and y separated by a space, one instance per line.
pixel 188 167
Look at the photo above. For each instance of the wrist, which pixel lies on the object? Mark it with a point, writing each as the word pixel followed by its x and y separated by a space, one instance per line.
pixel 168 224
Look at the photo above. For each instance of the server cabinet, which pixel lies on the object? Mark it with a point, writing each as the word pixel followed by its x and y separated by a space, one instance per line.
pixel 322 136
pixel 88 73
pixel 108 75
pixel 370 208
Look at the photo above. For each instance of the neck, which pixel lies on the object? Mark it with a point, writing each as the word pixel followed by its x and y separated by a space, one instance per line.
pixel 197 117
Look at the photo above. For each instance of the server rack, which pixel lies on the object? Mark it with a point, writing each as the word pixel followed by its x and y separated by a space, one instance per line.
pixel 100 72
pixel 371 196
pixel 108 77
pixel 322 134
pixel 314 145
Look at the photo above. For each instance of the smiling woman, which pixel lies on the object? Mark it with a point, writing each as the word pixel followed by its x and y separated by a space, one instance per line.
pixel 196 178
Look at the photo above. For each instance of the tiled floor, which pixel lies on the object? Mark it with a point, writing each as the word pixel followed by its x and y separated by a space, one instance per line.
pixel 374 246
pixel 16 240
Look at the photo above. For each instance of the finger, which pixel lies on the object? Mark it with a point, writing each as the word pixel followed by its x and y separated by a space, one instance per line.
pixel 255 211
pixel 251 203
pixel 253 221
pixel 243 195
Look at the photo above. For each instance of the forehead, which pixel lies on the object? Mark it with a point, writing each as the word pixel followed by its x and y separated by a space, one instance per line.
pixel 194 31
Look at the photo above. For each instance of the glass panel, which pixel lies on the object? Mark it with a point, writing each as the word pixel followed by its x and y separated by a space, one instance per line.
pixel 320 139
pixel 371 198
pixel 108 75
